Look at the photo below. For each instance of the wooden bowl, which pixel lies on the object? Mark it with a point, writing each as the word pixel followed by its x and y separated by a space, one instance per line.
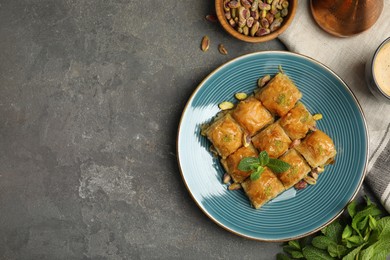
pixel 293 4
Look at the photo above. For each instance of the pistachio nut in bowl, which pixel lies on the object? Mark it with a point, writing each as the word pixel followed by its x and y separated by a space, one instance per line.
pixel 255 21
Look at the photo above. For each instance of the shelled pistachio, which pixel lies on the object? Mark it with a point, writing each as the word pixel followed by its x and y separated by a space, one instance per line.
pixel 255 17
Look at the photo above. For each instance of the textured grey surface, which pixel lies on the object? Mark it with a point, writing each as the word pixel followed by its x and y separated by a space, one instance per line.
pixel 91 93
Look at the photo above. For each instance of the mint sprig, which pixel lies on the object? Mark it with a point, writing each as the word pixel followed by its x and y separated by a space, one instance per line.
pixel 257 164
pixel 362 234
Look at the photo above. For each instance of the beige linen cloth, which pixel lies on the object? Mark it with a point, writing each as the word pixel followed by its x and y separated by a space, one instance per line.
pixel 347 58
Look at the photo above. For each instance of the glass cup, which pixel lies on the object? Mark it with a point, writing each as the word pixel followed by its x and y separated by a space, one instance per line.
pixel 378 72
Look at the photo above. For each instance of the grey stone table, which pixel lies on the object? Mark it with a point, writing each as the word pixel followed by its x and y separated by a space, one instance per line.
pixel 91 93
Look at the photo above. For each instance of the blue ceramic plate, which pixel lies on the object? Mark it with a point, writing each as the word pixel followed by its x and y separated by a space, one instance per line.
pixel 295 213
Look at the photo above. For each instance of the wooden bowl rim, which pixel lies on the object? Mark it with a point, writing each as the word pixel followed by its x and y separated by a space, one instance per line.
pixel 255 39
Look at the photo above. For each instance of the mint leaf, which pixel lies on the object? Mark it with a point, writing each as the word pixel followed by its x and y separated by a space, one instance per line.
pixel 278 166
pixel 304 241
pixel 360 216
pixel 372 222
pixel 255 175
pixel 382 250
pixel 367 253
pixel 281 256
pixel 384 227
pixel 347 232
pixel 333 231
pixel 368 201
pixel 263 158
pixel 297 254
pixel 295 244
pixel 322 242
pixel 289 249
pixel 354 241
pixel 313 253
pixel 363 223
pixel 352 208
pixel 246 163
pixel 338 251
pixel 352 255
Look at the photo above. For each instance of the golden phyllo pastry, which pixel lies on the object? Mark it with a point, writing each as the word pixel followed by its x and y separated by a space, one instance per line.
pixel 252 115
pixel 279 95
pixel 272 139
pixel 297 122
pixel 231 163
pixel 317 148
pixel 297 171
pixel 226 135
pixel 263 189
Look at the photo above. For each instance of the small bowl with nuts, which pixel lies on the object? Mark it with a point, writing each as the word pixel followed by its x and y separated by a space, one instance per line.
pixel 255 20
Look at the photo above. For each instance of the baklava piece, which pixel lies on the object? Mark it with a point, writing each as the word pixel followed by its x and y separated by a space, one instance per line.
pixel 272 139
pixel 231 163
pixel 317 148
pixel 252 115
pixel 297 122
pixel 226 135
pixel 297 171
pixel 279 95
pixel 263 189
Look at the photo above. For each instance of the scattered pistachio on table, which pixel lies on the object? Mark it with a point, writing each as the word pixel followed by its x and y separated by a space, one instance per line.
pixel 255 17
pixel 205 43
pixel 222 49
pixel 211 18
